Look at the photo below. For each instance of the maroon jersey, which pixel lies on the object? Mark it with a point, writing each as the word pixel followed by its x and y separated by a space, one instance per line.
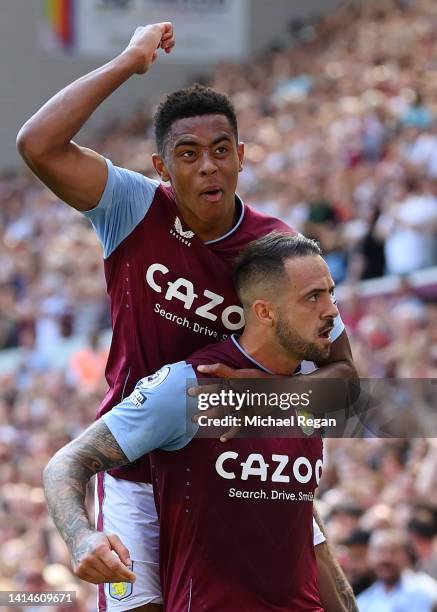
pixel 170 293
pixel 237 518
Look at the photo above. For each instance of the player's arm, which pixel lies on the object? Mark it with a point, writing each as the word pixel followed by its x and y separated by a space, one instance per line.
pixel 336 594
pixel 339 366
pixel 65 481
pixel 340 363
pixel 76 174
pixel 153 416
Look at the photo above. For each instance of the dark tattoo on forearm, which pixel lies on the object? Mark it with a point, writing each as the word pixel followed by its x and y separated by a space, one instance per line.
pixel 66 477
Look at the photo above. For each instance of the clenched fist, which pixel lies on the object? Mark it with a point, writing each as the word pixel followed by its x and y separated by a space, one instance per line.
pixel 93 559
pixel 146 41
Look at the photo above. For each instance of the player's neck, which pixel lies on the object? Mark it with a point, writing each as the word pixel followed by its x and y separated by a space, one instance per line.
pixel 211 230
pixel 269 354
pixel 207 232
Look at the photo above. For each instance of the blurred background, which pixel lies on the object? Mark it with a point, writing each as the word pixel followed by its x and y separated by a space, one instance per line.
pixel 337 105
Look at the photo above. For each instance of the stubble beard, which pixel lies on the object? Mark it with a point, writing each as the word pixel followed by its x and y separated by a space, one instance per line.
pixel 296 346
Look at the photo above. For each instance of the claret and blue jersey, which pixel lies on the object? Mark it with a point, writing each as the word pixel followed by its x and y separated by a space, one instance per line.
pixel 171 295
pixel 235 517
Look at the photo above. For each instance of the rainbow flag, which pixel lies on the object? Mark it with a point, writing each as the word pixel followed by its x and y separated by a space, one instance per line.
pixel 59 15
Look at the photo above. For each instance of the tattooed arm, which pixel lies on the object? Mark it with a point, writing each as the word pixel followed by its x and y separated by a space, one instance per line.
pixel 336 594
pixel 65 480
pixel 153 416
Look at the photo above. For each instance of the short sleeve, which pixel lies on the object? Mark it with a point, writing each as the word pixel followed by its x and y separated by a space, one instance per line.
pixel 157 414
pixel 124 204
pixel 318 537
pixel 338 328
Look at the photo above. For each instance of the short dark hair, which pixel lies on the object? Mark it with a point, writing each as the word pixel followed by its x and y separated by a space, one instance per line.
pixel 191 102
pixel 262 261
pixel 424 521
pixel 358 537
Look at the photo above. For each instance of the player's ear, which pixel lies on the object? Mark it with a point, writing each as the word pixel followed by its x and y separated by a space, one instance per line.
pixel 240 152
pixel 160 167
pixel 262 309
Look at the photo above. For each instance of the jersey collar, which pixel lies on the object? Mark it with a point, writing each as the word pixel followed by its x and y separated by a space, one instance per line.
pixel 234 339
pixel 259 365
pixel 233 229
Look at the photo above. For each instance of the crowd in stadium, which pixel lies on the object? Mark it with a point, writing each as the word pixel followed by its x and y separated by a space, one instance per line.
pixel 341 142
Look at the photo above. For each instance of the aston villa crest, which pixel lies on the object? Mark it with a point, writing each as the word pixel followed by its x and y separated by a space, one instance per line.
pixel 120 590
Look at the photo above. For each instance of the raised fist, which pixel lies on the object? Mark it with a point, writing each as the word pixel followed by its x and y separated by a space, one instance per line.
pixel 146 41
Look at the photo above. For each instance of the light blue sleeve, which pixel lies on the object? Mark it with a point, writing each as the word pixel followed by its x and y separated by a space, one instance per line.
pixel 338 328
pixel 157 414
pixel 125 202
pixel 307 367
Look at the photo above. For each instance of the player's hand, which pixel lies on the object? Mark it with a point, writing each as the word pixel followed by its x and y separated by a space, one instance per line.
pixel 146 41
pixel 219 370
pixel 94 559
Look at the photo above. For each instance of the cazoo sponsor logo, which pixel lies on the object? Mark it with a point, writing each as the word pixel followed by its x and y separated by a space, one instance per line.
pixel 278 468
pixel 207 305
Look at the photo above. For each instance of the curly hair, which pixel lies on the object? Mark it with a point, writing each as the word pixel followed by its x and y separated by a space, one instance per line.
pixel 190 102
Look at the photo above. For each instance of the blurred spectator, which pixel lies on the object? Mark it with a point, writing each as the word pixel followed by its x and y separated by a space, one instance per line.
pixel 422 532
pixel 418 115
pixel 8 322
pixel 368 257
pixel 88 364
pixel 353 557
pixel 398 588
pixel 323 225
pixel 344 519
pixel 420 150
pixel 409 226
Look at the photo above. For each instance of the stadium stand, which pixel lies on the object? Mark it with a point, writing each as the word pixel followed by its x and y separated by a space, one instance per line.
pixel 341 142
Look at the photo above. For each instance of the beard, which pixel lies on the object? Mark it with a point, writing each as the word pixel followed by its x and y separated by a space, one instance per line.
pixel 295 345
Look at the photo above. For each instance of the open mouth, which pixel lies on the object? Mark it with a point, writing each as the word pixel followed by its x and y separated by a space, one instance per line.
pixel 212 195
pixel 326 333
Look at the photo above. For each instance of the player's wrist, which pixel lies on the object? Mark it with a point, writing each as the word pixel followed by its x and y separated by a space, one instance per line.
pixel 79 543
pixel 133 60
